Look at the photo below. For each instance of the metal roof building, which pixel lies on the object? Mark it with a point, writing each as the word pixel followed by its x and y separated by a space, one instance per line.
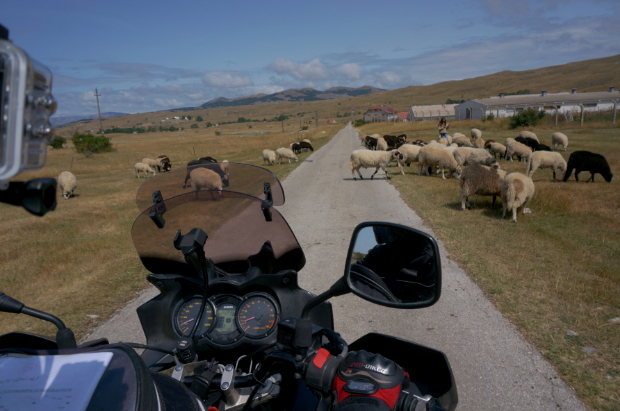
pixel 552 103
pixel 432 112
pixel 380 113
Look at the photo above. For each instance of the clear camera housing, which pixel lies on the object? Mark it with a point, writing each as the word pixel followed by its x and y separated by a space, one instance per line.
pixel 26 104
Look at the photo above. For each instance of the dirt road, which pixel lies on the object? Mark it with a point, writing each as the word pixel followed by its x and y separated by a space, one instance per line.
pixel 494 367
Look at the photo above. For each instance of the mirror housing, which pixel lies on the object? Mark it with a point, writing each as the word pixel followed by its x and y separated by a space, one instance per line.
pixel 393 265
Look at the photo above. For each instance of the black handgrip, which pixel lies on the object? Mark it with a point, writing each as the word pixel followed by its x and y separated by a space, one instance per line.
pixel 10 304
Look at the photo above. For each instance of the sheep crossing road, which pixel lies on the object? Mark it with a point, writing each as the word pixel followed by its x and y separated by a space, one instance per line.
pixel 494 367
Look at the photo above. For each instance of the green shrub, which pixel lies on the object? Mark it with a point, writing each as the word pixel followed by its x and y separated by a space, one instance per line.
pixel 87 143
pixel 359 123
pixel 217 133
pixel 57 142
pixel 172 128
pixel 199 118
pixel 304 128
pixel 489 117
pixel 194 125
pixel 250 126
pixel 526 118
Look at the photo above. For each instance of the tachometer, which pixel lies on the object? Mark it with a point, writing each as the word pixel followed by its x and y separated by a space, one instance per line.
pixel 188 313
pixel 257 316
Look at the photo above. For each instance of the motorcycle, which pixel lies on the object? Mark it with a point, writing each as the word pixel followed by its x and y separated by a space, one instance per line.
pixel 231 328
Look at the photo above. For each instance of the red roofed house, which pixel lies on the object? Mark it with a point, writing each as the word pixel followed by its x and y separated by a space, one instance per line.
pixel 402 115
pixel 380 113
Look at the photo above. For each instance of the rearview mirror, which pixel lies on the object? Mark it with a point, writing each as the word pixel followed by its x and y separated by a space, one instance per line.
pixel 393 265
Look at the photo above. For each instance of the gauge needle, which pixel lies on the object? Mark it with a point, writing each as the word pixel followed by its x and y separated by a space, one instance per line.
pixel 249 319
pixel 191 319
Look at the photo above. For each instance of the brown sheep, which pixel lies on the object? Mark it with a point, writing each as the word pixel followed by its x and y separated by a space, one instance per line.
pixel 481 180
pixel 205 179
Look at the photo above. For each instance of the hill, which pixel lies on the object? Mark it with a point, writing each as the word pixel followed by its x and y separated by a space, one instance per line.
pixel 299 105
pixel 60 120
pixel 303 94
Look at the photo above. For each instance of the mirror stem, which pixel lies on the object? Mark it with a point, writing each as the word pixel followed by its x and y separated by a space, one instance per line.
pixel 338 289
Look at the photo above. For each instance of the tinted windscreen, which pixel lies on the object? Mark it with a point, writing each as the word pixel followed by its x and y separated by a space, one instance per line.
pixel 236 226
pixel 240 178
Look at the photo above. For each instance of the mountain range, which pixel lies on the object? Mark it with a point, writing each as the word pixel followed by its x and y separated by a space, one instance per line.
pixel 60 120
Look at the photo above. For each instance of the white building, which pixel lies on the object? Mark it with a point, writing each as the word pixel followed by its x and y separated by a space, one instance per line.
pixel 431 112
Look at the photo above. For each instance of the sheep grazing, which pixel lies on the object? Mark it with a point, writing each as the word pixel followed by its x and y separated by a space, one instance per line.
pixel 521 140
pixel 410 155
pixel 557 139
pixel 431 156
pixel 198 162
pixel 382 145
pixel 517 190
pixel 545 159
pixel 458 135
pixel 296 147
pixel 306 145
pixel 497 148
pixel 587 161
pixel 67 183
pixel 449 137
pixel 370 142
pixel 143 168
pixel 305 140
pixel 465 156
pixel 513 147
pixel 285 153
pixel 269 157
pixel 370 159
pixel 205 179
pixel 531 143
pixel 443 141
pixel 420 143
pixel 462 141
pixel 487 143
pixel 163 163
pixel 479 143
pixel 152 163
pixel 480 180
pixel 529 134
pixel 475 133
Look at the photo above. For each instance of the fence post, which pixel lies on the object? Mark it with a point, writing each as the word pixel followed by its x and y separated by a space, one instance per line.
pixel 556 115
pixel 583 113
pixel 613 121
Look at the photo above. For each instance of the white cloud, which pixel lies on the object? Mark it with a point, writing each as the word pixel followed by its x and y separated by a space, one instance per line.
pixel 195 96
pixel 350 70
pixel 226 79
pixel 311 71
pixel 388 79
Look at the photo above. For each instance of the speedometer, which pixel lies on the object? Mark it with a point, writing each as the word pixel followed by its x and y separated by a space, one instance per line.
pixel 257 316
pixel 188 313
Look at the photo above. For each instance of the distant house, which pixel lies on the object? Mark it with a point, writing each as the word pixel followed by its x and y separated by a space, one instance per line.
pixel 430 112
pixel 331 121
pixel 402 116
pixel 564 103
pixel 380 113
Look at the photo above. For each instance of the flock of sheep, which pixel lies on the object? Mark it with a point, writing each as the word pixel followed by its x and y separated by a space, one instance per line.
pixel 270 157
pixel 474 162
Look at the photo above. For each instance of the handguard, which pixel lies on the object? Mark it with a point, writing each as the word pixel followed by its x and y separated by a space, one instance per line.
pixel 366 381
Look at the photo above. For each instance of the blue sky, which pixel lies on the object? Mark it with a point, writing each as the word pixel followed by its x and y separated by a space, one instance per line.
pixel 148 56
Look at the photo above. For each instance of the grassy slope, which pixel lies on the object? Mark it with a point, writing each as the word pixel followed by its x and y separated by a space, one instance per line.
pixel 553 271
pixel 79 262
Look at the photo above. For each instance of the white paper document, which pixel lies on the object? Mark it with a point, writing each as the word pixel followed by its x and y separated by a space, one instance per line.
pixel 50 382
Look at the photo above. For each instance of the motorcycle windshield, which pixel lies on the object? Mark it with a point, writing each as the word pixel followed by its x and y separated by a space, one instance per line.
pixel 240 178
pixel 236 224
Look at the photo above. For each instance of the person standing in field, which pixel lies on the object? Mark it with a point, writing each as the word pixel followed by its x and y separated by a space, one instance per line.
pixel 443 127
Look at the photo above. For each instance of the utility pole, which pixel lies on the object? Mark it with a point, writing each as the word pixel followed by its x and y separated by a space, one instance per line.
pixel 219 104
pixel 283 126
pixel 99 111
pixel 316 119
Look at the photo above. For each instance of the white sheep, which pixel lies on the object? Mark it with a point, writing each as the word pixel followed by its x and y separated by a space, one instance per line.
pixel 370 159
pixel 435 143
pixel 382 145
pixel 513 147
pixel 465 156
pixel 67 183
pixel 431 156
pixel 410 155
pixel 449 137
pixel 475 133
pixel 285 153
pixel 462 141
pixel 545 159
pixel 458 135
pixel 497 148
pixel 269 157
pixel 529 134
pixel 557 139
pixel 152 163
pixel 443 141
pixel 453 145
pixel 143 167
pixel 517 190
pixel 205 179
pixel 481 180
pixel 479 143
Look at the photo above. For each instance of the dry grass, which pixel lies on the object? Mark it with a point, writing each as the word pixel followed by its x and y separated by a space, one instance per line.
pixel 79 261
pixel 553 271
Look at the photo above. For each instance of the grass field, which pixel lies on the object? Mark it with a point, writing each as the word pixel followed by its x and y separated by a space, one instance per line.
pixel 79 261
pixel 556 269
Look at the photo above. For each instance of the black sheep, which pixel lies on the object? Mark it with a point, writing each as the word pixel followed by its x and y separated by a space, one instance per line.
pixel 530 142
pixel 370 142
pixel 521 140
pixel 542 147
pixel 296 148
pixel 587 161
pixel 305 145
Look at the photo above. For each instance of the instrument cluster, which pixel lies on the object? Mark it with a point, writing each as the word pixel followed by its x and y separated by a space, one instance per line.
pixel 227 318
